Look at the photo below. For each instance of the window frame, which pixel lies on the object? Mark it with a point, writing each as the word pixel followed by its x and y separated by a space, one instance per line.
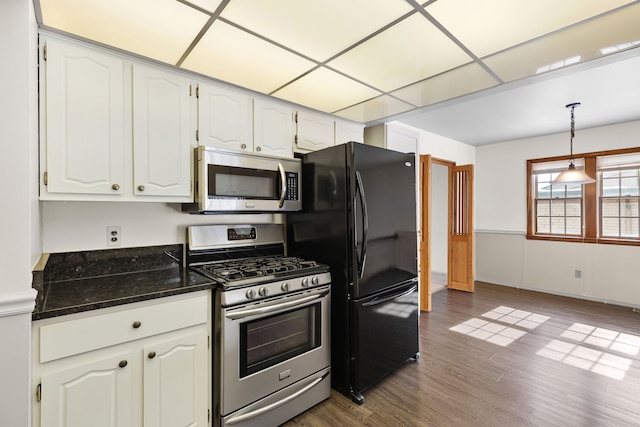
pixel 591 217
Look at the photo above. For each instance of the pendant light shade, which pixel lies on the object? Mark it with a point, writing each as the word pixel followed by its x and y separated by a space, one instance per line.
pixel 573 175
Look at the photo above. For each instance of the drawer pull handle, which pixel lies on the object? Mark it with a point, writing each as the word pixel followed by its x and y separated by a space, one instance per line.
pixel 140 187
pixel 115 187
pixel 122 363
pixel 152 354
pixel 137 324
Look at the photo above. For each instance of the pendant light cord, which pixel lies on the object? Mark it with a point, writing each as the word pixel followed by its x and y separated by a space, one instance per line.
pixel 573 133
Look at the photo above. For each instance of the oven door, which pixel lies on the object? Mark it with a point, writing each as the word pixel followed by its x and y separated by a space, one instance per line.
pixel 272 344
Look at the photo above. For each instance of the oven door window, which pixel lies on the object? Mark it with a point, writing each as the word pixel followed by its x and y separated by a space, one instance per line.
pixel 244 183
pixel 268 341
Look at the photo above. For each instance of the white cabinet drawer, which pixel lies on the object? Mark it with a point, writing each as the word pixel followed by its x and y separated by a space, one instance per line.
pixel 67 338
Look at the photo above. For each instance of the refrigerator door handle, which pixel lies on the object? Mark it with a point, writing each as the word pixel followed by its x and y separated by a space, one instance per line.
pixel 377 301
pixel 283 180
pixel 365 224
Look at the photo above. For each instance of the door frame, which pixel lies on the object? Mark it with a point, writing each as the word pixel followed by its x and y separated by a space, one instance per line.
pixel 426 162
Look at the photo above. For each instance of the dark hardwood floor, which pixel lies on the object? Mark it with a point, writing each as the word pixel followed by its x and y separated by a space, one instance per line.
pixel 506 357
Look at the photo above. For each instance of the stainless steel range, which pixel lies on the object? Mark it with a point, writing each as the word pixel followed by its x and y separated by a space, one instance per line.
pixel 271 355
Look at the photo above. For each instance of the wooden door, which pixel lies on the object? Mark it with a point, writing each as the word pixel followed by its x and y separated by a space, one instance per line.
pixel 425 233
pixel 461 255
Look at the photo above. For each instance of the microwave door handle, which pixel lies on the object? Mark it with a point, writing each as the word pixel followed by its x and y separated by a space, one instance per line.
pixel 365 224
pixel 283 179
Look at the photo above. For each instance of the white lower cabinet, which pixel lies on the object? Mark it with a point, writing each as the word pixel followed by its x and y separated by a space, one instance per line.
pixel 159 379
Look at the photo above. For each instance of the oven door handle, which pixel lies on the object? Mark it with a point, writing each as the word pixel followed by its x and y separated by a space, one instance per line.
pixel 274 405
pixel 283 181
pixel 270 309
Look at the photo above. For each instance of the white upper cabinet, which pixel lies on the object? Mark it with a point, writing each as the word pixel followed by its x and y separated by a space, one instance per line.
pixel 273 128
pixel 112 128
pixel 314 131
pixel 224 118
pixel 161 133
pixel 349 131
pixel 82 121
pixel 393 137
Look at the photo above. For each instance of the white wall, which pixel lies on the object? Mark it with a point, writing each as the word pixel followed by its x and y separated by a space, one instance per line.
pixel 20 234
pixel 504 255
pixel 78 226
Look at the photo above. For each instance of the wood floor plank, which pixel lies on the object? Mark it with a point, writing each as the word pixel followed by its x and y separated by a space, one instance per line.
pixel 578 364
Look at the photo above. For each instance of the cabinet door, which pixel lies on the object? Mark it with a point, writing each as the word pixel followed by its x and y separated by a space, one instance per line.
pixel 273 128
pixel 348 131
pixel 161 134
pixel 97 393
pixel 175 384
pixel 402 139
pixel 83 121
pixel 315 131
pixel 224 118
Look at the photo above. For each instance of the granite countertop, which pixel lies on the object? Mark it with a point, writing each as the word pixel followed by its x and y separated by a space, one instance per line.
pixel 74 282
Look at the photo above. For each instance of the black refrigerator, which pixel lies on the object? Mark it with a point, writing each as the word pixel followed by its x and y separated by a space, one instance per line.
pixel 359 217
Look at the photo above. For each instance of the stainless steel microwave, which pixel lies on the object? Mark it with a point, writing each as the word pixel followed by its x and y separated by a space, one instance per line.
pixel 228 181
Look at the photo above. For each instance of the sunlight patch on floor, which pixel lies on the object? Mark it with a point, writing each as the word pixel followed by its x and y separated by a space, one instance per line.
pixel 488 331
pixel 522 318
pixel 604 338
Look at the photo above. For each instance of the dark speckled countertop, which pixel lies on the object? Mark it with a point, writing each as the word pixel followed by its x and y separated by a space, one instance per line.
pixel 80 281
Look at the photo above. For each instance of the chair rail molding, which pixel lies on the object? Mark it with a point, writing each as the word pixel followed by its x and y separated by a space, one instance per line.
pixel 17 302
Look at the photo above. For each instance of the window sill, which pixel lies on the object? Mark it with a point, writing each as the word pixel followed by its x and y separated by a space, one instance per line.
pixel 579 239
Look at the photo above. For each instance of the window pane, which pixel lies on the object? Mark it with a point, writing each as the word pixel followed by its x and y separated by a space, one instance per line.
pixel 557 225
pixel 574 226
pixel 557 207
pixel 629 187
pixel 610 208
pixel 543 208
pixel 610 187
pixel 574 190
pixel 544 190
pixel 629 172
pixel 610 174
pixel 629 227
pixel 543 225
pixel 629 207
pixel 574 208
pixel 610 227
pixel 558 190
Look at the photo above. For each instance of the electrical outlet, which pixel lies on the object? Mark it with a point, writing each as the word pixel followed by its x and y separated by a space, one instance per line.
pixel 578 274
pixel 114 235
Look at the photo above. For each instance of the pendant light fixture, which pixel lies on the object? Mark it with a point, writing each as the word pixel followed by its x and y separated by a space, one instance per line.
pixel 573 175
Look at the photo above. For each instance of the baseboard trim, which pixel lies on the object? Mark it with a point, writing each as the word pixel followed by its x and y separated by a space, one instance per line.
pixel 15 303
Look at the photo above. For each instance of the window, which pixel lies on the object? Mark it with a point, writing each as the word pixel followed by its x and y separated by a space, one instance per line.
pixel 607 211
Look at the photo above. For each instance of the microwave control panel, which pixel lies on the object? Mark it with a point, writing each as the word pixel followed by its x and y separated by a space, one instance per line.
pixel 292 186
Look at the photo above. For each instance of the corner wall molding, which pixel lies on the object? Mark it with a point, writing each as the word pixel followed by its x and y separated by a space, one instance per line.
pixel 15 303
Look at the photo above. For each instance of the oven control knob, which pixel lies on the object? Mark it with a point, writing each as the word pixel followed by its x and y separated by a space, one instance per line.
pixel 263 292
pixel 315 280
pixel 285 286
pixel 305 282
pixel 251 293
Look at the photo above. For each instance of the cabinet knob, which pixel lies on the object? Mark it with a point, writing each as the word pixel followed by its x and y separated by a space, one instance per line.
pixel 115 187
pixel 258 149
pixel 140 187
pixel 243 146
pixel 136 324
pixel 152 354
pixel 123 363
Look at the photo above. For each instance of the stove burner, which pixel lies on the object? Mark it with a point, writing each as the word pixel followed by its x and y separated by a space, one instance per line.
pixel 245 269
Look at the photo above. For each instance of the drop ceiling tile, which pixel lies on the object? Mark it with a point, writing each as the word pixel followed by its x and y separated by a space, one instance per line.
pixel 235 56
pixel 326 90
pixel 158 29
pixel 374 109
pixel 208 5
pixel 489 26
pixel 609 34
pixel 317 29
pixel 412 50
pixel 452 84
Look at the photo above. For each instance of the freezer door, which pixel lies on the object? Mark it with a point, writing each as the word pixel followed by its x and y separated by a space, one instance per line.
pixel 384 218
pixel 386 335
